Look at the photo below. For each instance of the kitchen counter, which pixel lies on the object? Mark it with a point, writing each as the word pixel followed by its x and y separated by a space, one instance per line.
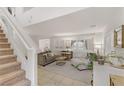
pixel 101 74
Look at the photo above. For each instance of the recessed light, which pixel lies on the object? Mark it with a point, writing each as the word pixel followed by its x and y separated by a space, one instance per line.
pixel 92 26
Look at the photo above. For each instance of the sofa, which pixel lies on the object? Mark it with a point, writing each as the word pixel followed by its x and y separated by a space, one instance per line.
pixel 45 58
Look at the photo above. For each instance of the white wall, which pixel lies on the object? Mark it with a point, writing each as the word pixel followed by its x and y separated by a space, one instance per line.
pixel 19 14
pixel 99 38
pixel 96 38
pixel 109 42
pixel 109 34
pixel 43 44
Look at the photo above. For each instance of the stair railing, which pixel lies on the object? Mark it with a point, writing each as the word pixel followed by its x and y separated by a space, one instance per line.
pixel 22 44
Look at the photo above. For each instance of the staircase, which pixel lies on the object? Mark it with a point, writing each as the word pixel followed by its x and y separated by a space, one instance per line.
pixel 11 73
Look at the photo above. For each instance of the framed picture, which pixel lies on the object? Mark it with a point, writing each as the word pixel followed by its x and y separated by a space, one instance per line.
pixel 119 37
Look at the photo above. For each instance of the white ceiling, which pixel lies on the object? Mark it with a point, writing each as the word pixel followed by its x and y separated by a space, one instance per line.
pixel 80 22
pixel 40 14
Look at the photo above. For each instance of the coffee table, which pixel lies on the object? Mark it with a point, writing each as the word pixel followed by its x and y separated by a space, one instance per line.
pixel 60 61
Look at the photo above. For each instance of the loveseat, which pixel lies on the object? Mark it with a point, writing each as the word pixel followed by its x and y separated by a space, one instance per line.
pixel 45 58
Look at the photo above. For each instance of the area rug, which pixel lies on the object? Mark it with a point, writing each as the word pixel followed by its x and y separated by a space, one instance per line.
pixel 69 71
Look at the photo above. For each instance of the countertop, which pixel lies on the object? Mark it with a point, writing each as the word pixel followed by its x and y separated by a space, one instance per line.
pixel 101 74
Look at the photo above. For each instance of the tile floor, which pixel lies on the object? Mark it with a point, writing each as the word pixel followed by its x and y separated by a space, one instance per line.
pixel 47 78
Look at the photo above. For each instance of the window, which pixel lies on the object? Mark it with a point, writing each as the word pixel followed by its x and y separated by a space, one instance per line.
pixel 79 44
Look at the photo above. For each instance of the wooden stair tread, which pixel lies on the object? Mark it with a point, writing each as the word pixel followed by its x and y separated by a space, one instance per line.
pixel 5 49
pixel 4 43
pixel 9 65
pixel 7 59
pixel 24 82
pixel 9 76
pixel 3 38
pixel 7 56
pixel 1 33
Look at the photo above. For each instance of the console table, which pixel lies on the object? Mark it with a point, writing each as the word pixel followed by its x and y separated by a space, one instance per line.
pixel 67 54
